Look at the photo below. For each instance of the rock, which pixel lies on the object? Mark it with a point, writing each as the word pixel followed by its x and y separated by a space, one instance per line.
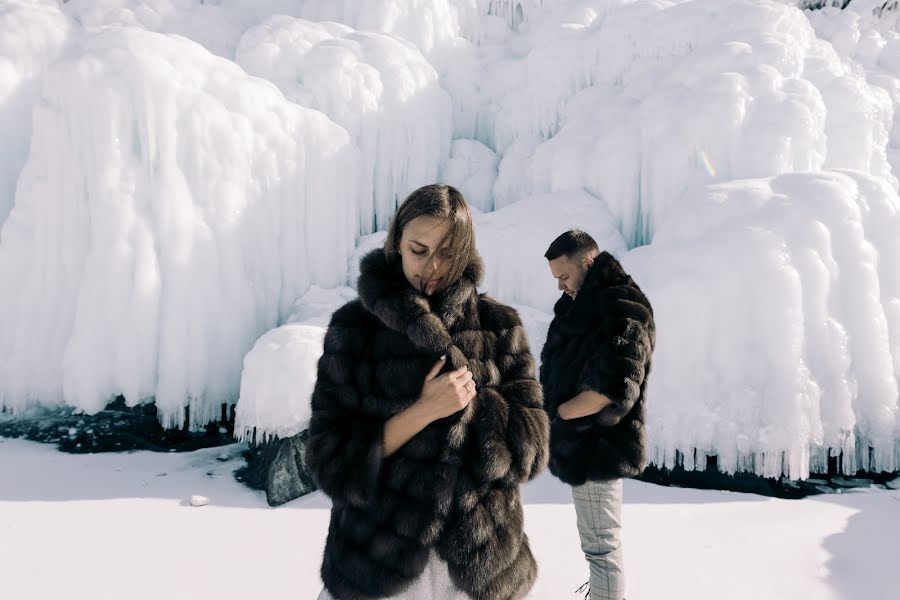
pixel 199 500
pixel 287 476
pixel 116 428
pixel 712 478
pixel 277 466
pixel 850 482
pixel 259 458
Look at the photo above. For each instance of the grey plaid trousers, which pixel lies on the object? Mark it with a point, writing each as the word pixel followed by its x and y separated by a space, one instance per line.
pixel 598 509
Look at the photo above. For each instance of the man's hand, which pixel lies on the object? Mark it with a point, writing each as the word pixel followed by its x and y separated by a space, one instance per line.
pixel 586 403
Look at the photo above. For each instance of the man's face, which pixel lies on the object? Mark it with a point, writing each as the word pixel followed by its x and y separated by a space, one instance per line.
pixel 570 272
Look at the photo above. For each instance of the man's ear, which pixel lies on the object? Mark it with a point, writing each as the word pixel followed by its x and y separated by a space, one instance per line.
pixel 588 262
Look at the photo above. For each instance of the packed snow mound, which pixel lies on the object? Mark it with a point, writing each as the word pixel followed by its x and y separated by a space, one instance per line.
pixel 777 304
pixel 277 382
pixel 178 217
pixel 472 168
pixel 280 371
pixel 316 306
pixel 512 241
pixel 536 323
pixel 380 88
pixel 31 35
pixel 365 245
pixel 645 103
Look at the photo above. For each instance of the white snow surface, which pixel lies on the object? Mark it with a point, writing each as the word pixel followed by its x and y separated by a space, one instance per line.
pixel 472 167
pixel 280 371
pixel 134 510
pixel 513 239
pixel 178 173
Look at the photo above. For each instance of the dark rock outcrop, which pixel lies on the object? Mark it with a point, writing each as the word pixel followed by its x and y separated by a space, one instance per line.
pixel 278 467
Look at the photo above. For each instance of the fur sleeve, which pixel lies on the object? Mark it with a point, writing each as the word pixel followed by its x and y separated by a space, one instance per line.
pixel 512 429
pixel 345 446
pixel 618 366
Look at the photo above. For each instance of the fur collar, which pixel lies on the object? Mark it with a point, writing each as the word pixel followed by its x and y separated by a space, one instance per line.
pixel 385 292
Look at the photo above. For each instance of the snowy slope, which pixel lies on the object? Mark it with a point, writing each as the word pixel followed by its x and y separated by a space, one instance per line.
pixel 191 169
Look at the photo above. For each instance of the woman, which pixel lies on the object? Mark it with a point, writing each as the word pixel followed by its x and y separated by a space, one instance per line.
pixel 426 418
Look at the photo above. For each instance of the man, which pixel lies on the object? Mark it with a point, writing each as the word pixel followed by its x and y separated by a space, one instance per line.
pixel 594 369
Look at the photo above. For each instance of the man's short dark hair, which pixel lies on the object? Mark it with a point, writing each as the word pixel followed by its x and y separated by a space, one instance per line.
pixel 574 243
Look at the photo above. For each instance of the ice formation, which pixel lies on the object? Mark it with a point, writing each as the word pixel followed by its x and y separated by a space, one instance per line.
pixel 170 212
pixel 379 88
pixel 182 176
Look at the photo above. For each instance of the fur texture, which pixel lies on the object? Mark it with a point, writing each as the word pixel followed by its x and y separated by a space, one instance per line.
pixel 454 486
pixel 602 340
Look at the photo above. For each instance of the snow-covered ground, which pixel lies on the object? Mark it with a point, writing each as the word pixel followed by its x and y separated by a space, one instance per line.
pixel 114 526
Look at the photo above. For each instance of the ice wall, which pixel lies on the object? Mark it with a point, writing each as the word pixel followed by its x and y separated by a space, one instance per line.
pixel 178 173
pixel 777 304
pixel 31 36
pixel 171 210
pixel 379 88
pixel 642 106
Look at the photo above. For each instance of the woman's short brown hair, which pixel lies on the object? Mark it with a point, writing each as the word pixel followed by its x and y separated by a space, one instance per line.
pixel 442 202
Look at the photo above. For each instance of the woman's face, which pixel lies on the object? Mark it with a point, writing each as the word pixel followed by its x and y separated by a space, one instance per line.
pixel 424 252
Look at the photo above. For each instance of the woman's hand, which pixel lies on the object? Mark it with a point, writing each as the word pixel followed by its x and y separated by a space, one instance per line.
pixel 446 394
pixel 441 397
